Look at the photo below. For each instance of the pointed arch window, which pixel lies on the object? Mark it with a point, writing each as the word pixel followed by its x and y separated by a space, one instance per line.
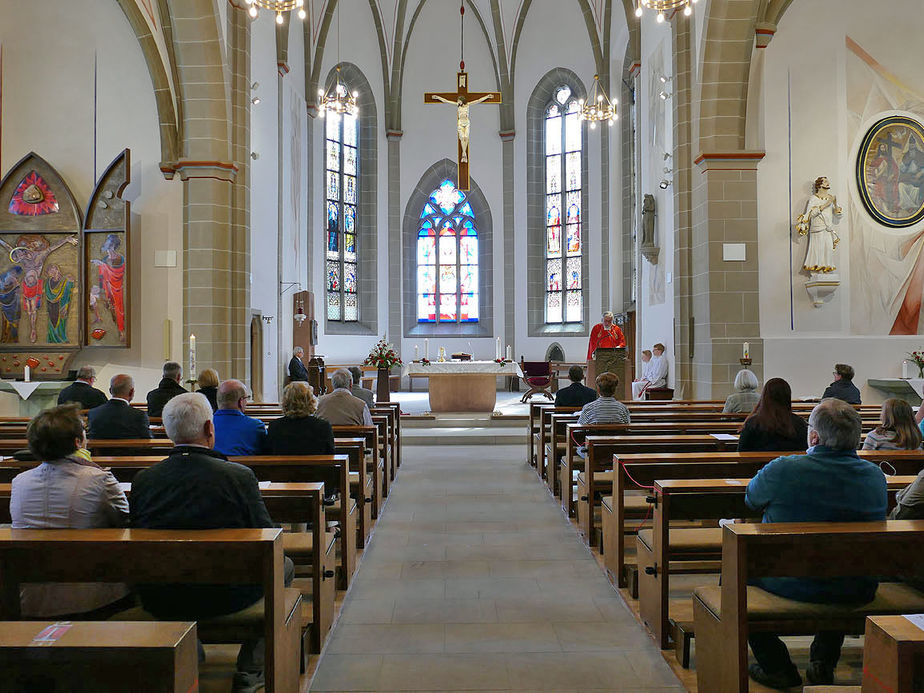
pixel 342 171
pixel 564 246
pixel 447 258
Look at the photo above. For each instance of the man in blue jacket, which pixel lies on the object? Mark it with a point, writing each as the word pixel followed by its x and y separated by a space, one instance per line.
pixel 829 483
pixel 237 434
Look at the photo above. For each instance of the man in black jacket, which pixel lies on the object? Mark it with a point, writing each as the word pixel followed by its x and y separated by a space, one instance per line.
pixel 297 370
pixel 168 388
pixel 82 390
pixel 117 419
pixel 843 387
pixel 576 394
pixel 197 488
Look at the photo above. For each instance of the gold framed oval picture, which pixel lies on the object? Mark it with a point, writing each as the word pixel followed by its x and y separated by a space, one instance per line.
pixel 890 171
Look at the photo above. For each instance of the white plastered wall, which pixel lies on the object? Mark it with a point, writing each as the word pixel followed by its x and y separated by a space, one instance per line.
pixel 808 133
pixel 48 107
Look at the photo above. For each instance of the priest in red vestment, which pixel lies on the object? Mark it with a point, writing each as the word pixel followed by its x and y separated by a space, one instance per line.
pixel 605 335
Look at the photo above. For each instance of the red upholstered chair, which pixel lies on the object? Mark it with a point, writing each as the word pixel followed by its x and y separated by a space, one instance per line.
pixel 538 377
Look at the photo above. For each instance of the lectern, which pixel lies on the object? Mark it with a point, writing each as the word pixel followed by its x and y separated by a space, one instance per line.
pixel 610 361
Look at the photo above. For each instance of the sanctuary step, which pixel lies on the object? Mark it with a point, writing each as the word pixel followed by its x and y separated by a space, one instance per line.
pixel 464 429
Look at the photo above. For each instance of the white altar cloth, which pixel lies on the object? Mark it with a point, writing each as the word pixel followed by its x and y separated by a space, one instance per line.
pixel 463 368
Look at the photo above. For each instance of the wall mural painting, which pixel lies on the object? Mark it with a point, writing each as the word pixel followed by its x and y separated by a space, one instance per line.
pixel 55 270
pixel 890 171
pixel 106 264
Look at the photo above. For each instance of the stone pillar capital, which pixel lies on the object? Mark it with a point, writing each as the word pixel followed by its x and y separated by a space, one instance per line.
pixel 394 134
pixel 216 170
pixel 741 160
pixel 764 33
pixel 507 135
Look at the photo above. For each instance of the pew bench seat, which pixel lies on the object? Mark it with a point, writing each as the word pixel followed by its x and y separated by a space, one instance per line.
pixel 687 541
pixel 767 611
pixel 237 627
pixel 301 544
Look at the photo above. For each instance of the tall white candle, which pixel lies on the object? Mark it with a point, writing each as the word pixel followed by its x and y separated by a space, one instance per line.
pixel 416 352
pixel 509 353
pixel 27 374
pixel 497 351
pixel 192 355
pixel 747 350
pixel 427 349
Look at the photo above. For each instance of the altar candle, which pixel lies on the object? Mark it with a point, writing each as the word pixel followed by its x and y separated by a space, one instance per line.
pixel 27 374
pixel 497 351
pixel 747 350
pixel 509 353
pixel 416 352
pixel 192 355
pixel 427 349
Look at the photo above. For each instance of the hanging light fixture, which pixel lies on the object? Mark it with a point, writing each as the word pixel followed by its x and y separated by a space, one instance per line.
pixel 598 107
pixel 662 6
pixel 277 6
pixel 337 99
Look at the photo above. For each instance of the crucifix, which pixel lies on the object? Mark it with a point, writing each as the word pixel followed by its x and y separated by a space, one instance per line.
pixel 462 99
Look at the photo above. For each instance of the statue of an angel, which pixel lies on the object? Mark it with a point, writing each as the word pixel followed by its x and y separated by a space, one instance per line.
pixel 821 214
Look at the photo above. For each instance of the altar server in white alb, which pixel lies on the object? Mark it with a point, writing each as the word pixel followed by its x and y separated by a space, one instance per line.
pixel 640 384
pixel 656 375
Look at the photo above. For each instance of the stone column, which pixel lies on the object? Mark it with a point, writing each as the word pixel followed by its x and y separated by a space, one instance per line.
pixel 509 314
pixel 395 242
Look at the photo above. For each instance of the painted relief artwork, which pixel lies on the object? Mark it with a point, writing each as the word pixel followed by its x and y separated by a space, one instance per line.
pixel 37 286
pixel 33 197
pixel 890 171
pixel 107 286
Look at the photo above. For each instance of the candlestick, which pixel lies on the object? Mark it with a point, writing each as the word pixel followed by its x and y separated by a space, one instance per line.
pixel 192 355
pixel 747 350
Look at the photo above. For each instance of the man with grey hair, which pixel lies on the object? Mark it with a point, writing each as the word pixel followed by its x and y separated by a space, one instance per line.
pixel 168 388
pixel 357 389
pixel 237 434
pixel 605 335
pixel 197 488
pixel 297 370
pixel 829 483
pixel 340 407
pixel 117 419
pixel 82 390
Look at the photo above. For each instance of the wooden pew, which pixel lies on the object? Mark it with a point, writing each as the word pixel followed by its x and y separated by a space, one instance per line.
pixel 644 468
pixel 376 466
pixel 99 656
pixel 724 616
pixel 361 485
pixel 716 494
pixel 290 503
pixel 382 423
pixel 226 556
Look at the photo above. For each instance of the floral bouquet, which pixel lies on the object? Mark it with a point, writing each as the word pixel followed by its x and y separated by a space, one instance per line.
pixel 383 355
pixel 917 357
pixel 501 362
pixel 425 361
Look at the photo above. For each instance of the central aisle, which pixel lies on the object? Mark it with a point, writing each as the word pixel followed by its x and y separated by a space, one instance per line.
pixel 475 581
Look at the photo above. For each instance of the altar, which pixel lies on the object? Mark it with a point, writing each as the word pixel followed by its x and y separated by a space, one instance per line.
pixel 909 389
pixel 462 386
pixel 33 397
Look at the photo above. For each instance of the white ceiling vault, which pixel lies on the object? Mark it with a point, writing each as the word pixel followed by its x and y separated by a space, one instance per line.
pixel 499 23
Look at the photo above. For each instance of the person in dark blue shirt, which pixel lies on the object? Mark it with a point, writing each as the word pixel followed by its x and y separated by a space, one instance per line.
pixel 829 483
pixel 236 433
pixel 576 394
pixel 843 387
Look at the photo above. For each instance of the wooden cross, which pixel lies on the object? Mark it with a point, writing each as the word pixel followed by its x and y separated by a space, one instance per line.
pixel 462 99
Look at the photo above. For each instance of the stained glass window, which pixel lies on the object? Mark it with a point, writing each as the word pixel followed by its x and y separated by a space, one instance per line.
pixel 564 279
pixel 340 190
pixel 447 258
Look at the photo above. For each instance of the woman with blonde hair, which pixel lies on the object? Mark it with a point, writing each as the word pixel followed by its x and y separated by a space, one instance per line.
pixel 299 432
pixel 208 382
pixel 897 429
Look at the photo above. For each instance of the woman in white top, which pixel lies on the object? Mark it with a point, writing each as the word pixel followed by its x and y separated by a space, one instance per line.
pixel 67 491
pixel 897 429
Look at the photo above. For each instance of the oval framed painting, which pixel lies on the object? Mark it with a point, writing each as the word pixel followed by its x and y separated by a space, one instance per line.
pixel 890 171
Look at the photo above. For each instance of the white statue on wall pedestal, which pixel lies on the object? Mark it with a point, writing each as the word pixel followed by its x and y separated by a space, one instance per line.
pixel 817 223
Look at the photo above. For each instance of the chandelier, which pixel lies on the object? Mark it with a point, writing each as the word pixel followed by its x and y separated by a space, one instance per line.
pixel 338 99
pixel 662 6
pixel 277 6
pixel 598 107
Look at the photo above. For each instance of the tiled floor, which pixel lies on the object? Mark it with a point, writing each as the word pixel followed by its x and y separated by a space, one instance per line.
pixel 475 581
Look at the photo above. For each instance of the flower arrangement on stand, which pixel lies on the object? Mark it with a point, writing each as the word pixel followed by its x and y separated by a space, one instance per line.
pixel 384 357
pixel 917 357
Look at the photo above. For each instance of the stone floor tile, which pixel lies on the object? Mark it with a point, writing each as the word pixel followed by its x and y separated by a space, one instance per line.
pixel 348 673
pixel 444 672
pixel 501 637
pixel 387 639
pixel 411 610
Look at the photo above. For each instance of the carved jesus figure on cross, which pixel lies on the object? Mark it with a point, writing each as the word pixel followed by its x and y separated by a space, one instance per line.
pixel 463 100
